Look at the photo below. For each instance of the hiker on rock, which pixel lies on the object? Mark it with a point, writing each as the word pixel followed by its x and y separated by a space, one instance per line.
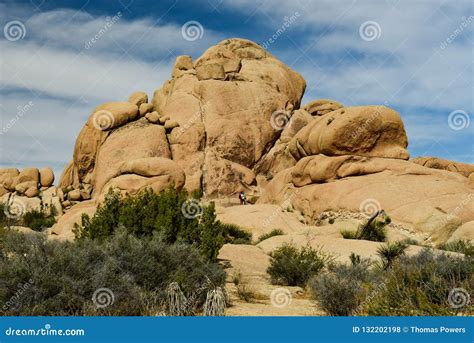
pixel 243 198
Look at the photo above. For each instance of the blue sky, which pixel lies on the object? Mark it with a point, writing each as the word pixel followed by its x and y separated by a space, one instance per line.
pixel 414 56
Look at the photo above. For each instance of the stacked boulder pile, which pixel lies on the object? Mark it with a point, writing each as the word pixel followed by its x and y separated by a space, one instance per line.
pixel 232 121
pixel 30 189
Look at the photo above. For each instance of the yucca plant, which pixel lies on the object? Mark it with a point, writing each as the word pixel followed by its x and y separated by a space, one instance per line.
pixel 175 300
pixel 215 302
pixel 390 252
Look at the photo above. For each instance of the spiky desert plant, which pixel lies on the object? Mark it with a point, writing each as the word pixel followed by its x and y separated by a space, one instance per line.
pixel 390 252
pixel 175 300
pixel 215 302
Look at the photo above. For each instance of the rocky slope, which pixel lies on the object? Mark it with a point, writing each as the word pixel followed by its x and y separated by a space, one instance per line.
pixel 231 121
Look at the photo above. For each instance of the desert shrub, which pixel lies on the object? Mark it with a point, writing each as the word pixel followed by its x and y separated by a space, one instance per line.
pixel 234 234
pixel 410 241
pixel 342 288
pixel 274 232
pixel 390 252
pixel 292 266
pixel 372 230
pixel 349 234
pixel 245 292
pixel 60 278
pixel 170 215
pixel 37 220
pixel 462 246
pixel 426 284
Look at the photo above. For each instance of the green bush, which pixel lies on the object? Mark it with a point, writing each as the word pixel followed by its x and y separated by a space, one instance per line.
pixel 170 215
pixel 291 266
pixel 60 278
pixel 341 290
pixel 372 230
pixel 426 285
pixel 348 234
pixel 274 232
pixel 234 234
pixel 462 246
pixel 37 220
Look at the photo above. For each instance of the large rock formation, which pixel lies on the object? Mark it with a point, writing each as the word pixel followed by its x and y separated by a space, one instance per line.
pixel 232 120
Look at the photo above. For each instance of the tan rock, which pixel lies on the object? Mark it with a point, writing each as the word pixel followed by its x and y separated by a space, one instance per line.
pixel 85 194
pixel 25 185
pixel 184 62
pixel 8 173
pixel 375 131
pixel 171 124
pixel 427 201
pixel 51 201
pixel 27 174
pixel 112 114
pixel 145 108
pixel 63 229
pixel 464 232
pixel 464 169
pixel 21 204
pixel 322 106
pixel 212 71
pixel 154 173
pixel 46 177
pixel 117 149
pixel 138 98
pixel 153 117
pixel 32 192
pixel 8 183
pixel 229 120
pixel 164 119
pixel 74 195
pixel 3 191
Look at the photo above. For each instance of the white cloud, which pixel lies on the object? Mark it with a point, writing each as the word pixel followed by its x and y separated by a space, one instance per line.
pixel 65 80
